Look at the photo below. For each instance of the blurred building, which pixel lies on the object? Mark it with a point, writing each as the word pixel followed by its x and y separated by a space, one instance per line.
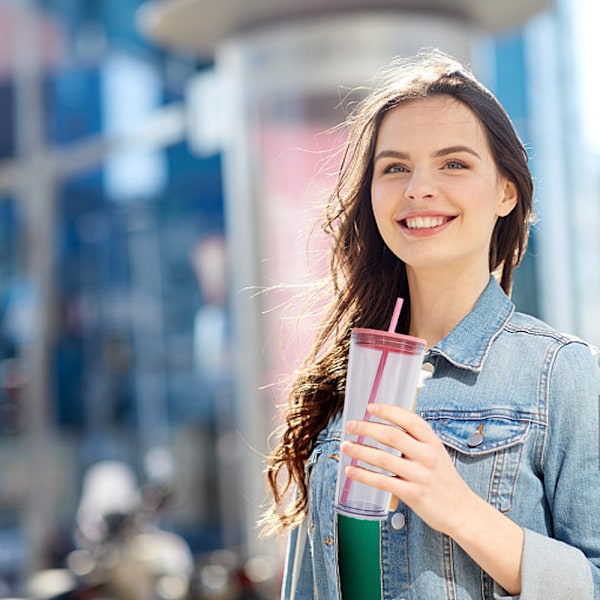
pixel 102 204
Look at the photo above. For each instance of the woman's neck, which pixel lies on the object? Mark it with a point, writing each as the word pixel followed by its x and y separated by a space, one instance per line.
pixel 438 304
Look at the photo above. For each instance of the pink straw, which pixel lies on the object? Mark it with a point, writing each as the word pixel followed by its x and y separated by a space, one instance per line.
pixel 396 315
pixel 374 389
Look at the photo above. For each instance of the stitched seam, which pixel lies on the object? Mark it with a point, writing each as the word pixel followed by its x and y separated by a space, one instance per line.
pixel 448 567
pixel 557 336
pixel 543 399
pixel 493 413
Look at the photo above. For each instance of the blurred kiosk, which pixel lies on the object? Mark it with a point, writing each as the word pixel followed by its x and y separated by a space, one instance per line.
pixel 281 69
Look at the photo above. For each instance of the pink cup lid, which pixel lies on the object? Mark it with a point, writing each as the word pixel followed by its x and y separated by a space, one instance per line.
pixel 388 338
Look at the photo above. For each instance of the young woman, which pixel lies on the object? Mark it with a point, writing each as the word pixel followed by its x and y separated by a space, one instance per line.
pixel 499 475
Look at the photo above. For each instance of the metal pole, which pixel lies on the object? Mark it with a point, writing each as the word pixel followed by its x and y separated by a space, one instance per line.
pixel 35 193
pixel 148 341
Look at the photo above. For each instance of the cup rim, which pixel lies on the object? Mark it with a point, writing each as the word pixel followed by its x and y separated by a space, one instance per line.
pixel 388 334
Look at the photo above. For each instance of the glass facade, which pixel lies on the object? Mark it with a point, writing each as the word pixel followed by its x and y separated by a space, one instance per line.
pixel 130 220
pixel 510 86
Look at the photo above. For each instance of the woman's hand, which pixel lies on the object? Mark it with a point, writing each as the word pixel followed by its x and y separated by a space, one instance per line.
pixel 425 479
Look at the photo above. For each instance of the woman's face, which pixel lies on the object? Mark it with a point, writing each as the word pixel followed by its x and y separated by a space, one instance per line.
pixel 436 191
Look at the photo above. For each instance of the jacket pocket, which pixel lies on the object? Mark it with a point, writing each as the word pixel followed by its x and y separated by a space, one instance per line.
pixel 486 448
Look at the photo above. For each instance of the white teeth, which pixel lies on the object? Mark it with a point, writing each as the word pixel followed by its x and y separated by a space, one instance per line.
pixel 424 222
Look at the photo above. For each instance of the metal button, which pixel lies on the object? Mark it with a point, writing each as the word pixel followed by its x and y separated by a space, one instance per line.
pixel 476 439
pixel 398 521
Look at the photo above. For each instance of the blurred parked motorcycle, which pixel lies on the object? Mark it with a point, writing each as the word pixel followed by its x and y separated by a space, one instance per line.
pixel 121 552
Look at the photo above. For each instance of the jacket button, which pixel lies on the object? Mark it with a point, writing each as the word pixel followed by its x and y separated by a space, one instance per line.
pixel 477 438
pixel 398 521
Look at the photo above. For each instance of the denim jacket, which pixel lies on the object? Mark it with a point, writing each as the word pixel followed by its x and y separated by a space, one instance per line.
pixel 537 393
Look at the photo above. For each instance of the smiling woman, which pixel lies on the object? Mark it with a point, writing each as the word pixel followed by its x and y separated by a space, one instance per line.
pixel 496 470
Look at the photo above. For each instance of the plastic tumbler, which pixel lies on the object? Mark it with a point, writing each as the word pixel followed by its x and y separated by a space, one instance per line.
pixel 382 367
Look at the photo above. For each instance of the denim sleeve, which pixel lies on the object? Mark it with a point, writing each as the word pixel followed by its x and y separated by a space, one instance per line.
pixel 297 581
pixel 567 565
pixel 551 570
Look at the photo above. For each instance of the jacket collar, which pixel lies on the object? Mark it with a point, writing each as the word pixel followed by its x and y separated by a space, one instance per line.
pixel 467 345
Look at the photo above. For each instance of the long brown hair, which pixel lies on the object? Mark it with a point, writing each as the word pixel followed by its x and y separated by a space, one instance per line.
pixel 366 277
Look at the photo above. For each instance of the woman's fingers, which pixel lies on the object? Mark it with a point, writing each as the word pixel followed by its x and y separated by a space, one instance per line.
pixel 407 433
pixel 384 434
pixel 406 419
pixel 399 466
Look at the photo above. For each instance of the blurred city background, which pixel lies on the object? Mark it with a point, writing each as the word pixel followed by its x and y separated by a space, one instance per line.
pixel 161 165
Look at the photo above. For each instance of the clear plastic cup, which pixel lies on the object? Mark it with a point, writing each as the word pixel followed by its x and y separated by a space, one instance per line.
pixel 382 367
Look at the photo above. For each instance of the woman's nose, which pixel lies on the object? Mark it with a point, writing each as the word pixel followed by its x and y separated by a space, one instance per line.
pixel 420 186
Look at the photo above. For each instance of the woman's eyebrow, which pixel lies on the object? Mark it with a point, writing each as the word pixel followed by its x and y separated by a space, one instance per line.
pixel 453 149
pixel 391 154
pixel 436 154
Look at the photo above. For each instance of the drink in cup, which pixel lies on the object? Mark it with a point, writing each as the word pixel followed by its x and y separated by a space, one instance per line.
pixel 382 367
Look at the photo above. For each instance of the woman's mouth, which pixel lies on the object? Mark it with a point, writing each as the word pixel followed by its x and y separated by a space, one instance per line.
pixel 424 222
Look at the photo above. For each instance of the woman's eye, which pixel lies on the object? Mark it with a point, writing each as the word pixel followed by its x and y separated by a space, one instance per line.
pixel 455 164
pixel 395 169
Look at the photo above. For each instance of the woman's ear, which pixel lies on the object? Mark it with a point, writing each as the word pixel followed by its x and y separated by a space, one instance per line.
pixel 509 198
